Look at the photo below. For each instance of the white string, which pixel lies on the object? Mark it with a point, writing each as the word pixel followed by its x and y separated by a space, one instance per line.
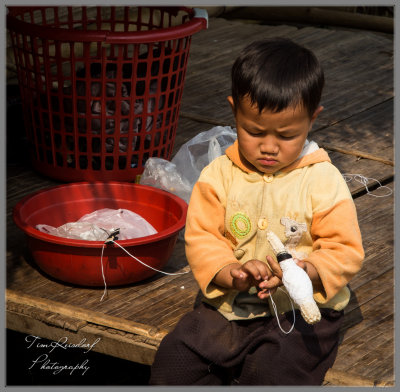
pixel 276 312
pixel 134 257
pixel 364 181
pixel 102 273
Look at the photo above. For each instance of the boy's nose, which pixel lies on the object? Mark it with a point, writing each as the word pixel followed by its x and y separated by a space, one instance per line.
pixel 269 145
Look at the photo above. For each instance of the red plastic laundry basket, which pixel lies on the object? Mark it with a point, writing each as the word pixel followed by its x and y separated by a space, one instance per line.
pixel 101 86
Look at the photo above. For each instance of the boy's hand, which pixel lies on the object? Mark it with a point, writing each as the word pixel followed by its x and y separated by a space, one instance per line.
pixel 275 277
pixel 254 272
pixel 273 281
pixel 251 273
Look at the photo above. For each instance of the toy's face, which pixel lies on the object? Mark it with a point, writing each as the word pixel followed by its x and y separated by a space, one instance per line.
pixel 271 141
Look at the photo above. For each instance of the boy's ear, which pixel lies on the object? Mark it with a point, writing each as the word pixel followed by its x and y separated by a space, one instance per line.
pixel 316 113
pixel 230 100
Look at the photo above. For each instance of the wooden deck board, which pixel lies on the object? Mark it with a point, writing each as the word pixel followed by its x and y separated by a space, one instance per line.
pixel 358 115
pixel 357 132
pixel 369 323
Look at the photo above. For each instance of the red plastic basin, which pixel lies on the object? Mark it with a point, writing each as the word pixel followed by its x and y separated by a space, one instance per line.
pixel 79 261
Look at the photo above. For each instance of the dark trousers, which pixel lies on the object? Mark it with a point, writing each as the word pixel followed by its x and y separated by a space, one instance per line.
pixel 206 349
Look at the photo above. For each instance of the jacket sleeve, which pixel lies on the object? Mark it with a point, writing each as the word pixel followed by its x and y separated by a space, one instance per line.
pixel 337 251
pixel 207 249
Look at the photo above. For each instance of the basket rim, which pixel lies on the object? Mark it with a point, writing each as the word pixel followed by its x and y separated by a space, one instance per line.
pixel 195 24
pixel 62 241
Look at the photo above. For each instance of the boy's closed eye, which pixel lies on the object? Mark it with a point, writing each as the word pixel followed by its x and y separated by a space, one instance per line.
pixel 254 132
pixel 280 135
pixel 286 136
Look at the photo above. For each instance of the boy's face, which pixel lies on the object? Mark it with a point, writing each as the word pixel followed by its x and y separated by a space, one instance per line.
pixel 271 141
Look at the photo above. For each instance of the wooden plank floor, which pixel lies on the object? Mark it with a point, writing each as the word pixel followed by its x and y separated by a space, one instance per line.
pixel 356 127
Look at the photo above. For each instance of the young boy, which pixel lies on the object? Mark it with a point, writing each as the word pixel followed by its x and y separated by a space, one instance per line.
pixel 270 179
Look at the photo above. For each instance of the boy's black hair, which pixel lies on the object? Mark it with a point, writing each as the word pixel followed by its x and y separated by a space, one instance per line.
pixel 276 74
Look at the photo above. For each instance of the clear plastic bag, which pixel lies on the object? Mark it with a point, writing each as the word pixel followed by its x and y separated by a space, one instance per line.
pixel 199 151
pixel 76 230
pixel 180 175
pixel 97 226
pixel 164 174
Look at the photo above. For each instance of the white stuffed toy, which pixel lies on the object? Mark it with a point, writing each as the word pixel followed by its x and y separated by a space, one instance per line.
pixel 296 281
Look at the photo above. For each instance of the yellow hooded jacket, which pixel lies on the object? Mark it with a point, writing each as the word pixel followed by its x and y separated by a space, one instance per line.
pixel 307 205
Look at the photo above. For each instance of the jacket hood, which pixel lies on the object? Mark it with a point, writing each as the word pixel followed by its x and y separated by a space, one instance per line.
pixel 311 154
